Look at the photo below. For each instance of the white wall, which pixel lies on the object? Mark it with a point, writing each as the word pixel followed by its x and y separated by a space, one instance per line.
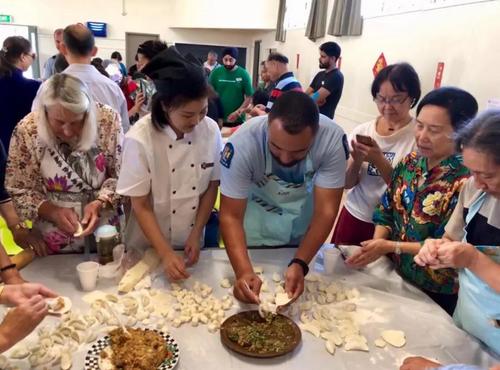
pixel 464 37
pixel 145 16
pixel 254 14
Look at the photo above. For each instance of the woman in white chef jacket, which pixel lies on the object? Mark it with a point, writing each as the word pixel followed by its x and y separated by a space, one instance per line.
pixel 170 167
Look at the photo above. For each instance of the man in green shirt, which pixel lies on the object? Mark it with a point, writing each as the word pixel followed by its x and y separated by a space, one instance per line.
pixel 234 86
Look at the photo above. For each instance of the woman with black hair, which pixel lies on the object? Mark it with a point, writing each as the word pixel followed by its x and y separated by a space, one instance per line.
pixel 422 195
pixel 376 147
pixel 16 91
pixel 171 165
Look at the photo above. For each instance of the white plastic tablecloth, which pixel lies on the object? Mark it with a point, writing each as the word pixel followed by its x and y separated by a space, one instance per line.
pixel 386 302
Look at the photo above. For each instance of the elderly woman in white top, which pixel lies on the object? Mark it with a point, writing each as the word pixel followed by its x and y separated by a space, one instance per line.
pixel 172 162
pixel 63 164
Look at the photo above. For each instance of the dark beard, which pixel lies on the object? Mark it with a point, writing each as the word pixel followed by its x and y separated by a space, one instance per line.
pixel 229 68
pixel 324 66
pixel 288 165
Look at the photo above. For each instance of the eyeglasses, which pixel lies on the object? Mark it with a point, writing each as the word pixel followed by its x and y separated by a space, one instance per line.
pixel 32 55
pixel 395 100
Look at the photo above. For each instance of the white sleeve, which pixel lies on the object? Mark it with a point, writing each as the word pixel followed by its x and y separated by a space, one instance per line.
pixel 135 175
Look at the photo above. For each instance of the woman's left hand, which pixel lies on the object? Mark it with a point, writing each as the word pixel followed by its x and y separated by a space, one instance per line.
pixel 371 250
pixel 192 249
pixel 418 363
pixel 90 218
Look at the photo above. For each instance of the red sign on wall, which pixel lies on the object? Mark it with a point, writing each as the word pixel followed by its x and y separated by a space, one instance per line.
pixel 439 75
pixel 379 65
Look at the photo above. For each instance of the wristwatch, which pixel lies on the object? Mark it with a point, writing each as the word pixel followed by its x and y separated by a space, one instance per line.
pixel 302 263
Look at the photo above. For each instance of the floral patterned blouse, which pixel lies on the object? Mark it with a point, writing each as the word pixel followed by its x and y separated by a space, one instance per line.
pixel 69 178
pixel 417 205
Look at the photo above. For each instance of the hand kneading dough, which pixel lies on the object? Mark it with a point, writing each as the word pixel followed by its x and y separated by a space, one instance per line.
pixel 147 264
pixel 395 338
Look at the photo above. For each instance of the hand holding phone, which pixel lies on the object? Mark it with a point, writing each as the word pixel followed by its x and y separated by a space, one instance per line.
pixel 365 140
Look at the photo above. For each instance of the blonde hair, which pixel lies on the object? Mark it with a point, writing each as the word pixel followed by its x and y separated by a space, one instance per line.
pixel 73 95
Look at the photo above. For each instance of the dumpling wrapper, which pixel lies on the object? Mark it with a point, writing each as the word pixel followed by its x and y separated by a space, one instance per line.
pixel 395 338
pixel 79 231
pixel 59 305
pixel 282 299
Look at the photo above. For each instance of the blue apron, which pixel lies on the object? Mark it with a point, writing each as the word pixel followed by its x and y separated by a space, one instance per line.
pixel 478 305
pixel 278 212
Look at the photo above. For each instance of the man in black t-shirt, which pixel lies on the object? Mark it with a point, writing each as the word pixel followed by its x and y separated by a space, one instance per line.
pixel 326 87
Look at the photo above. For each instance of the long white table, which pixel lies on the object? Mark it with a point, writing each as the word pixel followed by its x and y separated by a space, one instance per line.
pixel 386 302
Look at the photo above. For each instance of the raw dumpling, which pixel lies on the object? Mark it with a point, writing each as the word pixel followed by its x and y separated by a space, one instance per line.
pixel 395 338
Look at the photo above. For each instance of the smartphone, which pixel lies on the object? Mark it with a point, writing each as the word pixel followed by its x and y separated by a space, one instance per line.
pixel 365 140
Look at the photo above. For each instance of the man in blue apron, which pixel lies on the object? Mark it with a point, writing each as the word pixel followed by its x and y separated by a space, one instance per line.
pixel 281 182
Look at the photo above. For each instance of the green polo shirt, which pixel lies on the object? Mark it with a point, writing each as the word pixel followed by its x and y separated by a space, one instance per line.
pixel 232 86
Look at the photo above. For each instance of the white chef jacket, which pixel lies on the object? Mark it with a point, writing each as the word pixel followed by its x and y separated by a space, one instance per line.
pixel 175 173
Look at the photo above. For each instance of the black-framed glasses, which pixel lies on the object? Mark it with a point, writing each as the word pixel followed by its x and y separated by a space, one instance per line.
pixel 395 100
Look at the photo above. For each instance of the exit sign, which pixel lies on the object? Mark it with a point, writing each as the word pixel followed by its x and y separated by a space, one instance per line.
pixel 4 18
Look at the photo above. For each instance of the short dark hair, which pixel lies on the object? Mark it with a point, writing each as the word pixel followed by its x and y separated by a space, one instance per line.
pixel 297 111
pixel 277 57
pixel 179 92
pixel 402 77
pixel 260 96
pixel 460 104
pixel 97 63
pixel 79 41
pixel 12 50
pixel 116 55
pixel 151 48
pixel 482 134
pixel 330 48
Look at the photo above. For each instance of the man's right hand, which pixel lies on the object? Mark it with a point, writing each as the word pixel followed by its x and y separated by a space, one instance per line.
pixel 22 320
pixel 247 288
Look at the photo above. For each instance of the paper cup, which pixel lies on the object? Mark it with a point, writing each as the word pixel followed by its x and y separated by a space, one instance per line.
pixel 330 257
pixel 87 272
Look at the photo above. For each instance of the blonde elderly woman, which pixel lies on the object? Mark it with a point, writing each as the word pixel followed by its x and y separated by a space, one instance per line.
pixel 63 164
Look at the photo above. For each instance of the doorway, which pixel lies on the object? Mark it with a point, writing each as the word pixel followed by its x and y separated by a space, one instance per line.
pixel 132 42
pixel 256 62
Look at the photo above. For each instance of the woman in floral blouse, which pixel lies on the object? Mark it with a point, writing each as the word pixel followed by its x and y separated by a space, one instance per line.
pixel 422 195
pixel 63 164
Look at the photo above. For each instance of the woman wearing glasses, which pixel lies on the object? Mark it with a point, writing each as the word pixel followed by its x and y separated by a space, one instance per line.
pixel 422 195
pixel 377 146
pixel 16 92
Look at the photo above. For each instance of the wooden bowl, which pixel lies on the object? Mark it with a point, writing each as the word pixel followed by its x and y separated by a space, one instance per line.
pixel 254 316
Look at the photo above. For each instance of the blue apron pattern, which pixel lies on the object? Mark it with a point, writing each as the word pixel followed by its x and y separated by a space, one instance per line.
pixel 278 212
pixel 478 307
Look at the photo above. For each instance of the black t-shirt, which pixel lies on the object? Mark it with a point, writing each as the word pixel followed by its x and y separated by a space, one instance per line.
pixel 333 81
